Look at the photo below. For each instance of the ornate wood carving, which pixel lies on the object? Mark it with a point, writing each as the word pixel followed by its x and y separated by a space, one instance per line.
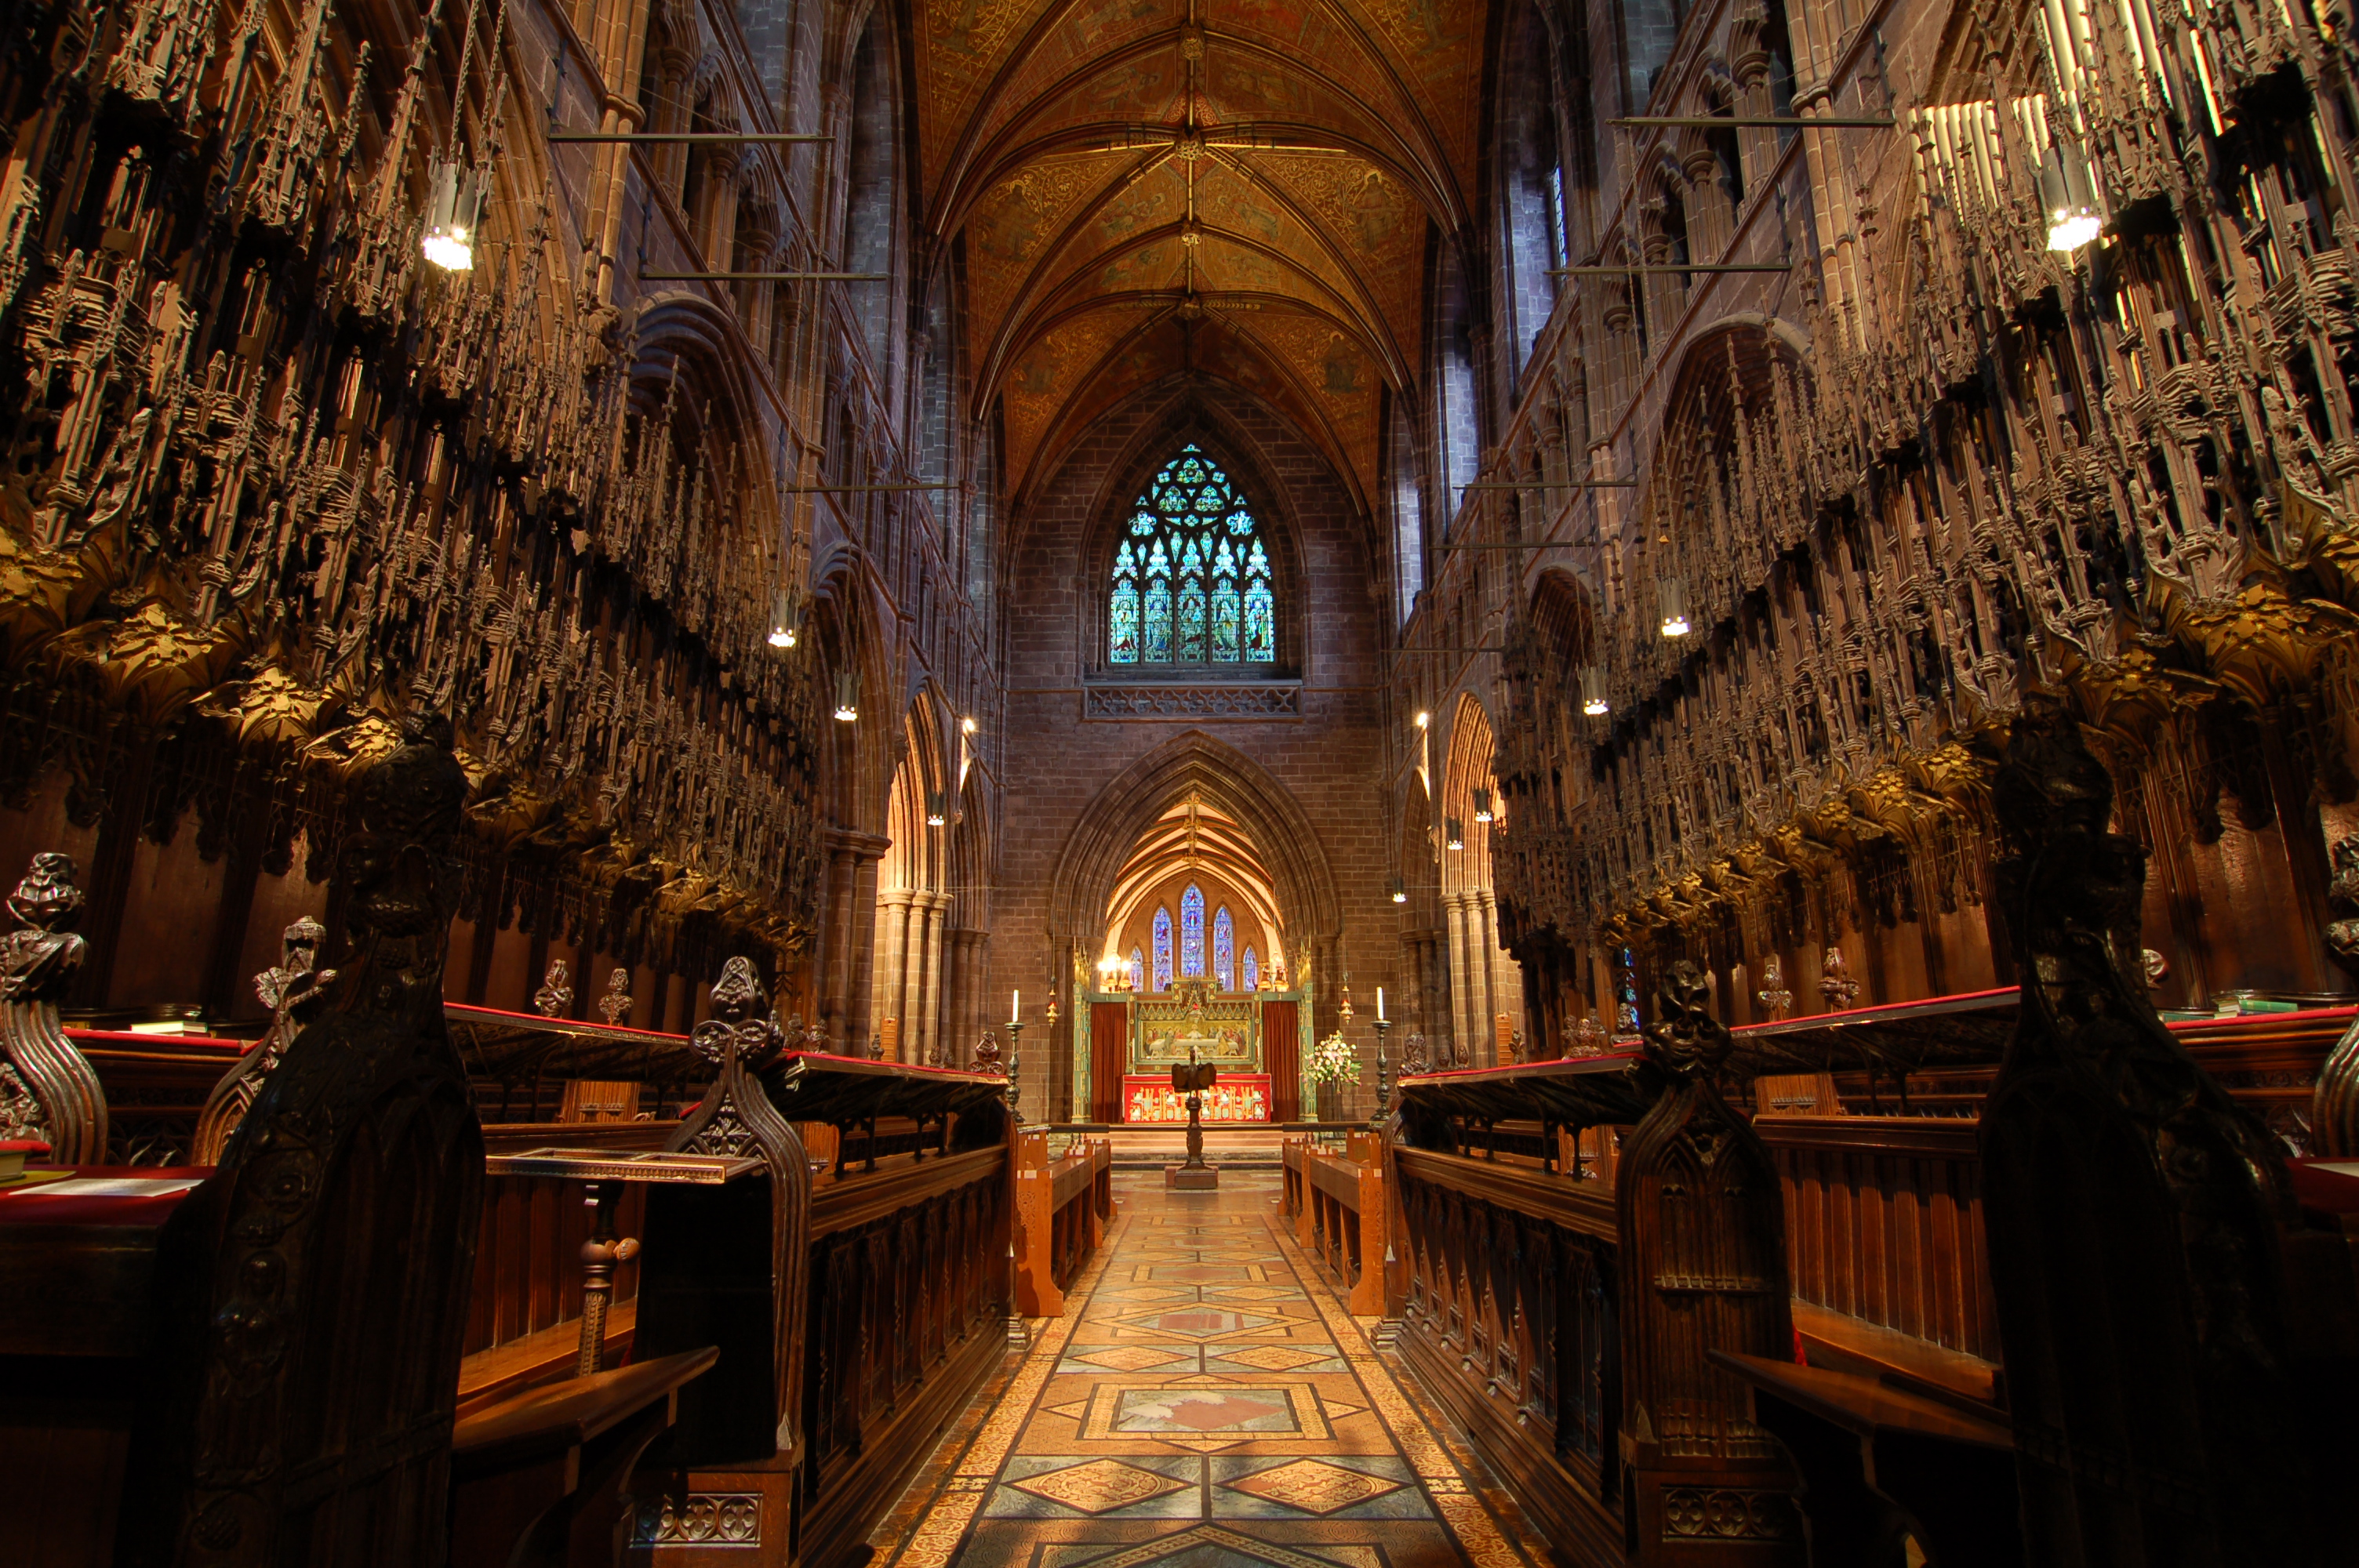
pixel 316 1288
pixel 2133 1212
pixel 1702 1269
pixel 2335 1105
pixel 295 990
pixel 47 1090
pixel 737 1116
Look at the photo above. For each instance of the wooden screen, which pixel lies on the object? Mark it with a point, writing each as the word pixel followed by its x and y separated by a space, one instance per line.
pixel 1109 1058
pixel 1281 1057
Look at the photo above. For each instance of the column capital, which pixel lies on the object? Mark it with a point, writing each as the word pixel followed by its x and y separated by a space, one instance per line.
pixel 863 846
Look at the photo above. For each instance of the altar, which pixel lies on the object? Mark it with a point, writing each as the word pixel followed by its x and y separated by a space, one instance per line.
pixel 1253 1041
pixel 1234 1096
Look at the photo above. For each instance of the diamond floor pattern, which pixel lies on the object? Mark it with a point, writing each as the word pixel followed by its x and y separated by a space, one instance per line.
pixel 1206 1402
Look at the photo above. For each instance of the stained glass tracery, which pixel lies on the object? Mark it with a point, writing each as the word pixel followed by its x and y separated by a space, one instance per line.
pixel 1224 950
pixel 1253 970
pixel 1191 931
pixel 1163 950
pixel 1191 578
pixel 1137 969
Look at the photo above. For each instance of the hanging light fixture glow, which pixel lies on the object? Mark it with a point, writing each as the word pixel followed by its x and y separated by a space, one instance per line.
pixel 1400 891
pixel 1422 719
pixel 847 695
pixel 1592 691
pixel 1457 835
pixel 2070 198
pixel 1482 805
pixel 454 203
pixel 1671 594
pixel 936 810
pixel 782 621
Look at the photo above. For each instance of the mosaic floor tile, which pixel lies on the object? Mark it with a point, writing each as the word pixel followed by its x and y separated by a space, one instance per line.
pixel 1040 1488
pixel 1133 1357
pixel 1207 1403
pixel 1323 1486
pixel 1275 1357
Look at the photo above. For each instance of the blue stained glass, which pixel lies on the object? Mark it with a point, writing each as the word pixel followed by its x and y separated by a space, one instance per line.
pixel 1191 583
pixel 1191 931
pixel 1137 969
pixel 1122 612
pixel 1224 950
pixel 1253 971
pixel 1163 950
pixel 1261 633
pixel 1192 624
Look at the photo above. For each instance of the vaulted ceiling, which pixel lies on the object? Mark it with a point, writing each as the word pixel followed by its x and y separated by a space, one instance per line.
pixel 1234 187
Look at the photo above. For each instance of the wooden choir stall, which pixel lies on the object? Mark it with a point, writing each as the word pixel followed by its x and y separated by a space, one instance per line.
pixel 406 1281
pixel 2024 1277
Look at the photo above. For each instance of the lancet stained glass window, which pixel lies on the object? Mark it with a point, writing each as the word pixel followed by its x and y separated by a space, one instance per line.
pixel 1224 950
pixel 1191 931
pixel 1192 580
pixel 1253 970
pixel 1163 950
pixel 1138 971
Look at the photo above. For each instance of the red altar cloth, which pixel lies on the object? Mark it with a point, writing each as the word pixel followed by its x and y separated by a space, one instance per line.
pixel 1234 1096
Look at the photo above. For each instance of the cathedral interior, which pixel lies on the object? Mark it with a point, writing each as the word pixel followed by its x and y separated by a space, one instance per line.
pixel 1178 784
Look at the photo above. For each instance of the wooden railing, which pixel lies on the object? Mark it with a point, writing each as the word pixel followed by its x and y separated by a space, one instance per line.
pixel 1341 1212
pixel 1062 1209
pixel 1509 1317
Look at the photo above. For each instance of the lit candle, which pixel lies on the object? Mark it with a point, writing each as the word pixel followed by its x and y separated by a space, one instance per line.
pixel 1015 1006
pixel 1380 1004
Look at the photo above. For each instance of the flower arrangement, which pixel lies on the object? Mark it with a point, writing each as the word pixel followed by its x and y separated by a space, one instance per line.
pixel 1332 1061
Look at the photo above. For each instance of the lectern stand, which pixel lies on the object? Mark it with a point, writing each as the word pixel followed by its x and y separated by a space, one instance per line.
pixel 1193 1078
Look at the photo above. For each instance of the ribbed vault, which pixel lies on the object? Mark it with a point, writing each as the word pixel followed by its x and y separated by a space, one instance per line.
pixel 1235 190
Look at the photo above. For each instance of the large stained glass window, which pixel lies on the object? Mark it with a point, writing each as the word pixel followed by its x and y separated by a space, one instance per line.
pixel 1192 581
pixel 1191 931
pixel 1138 971
pixel 1253 970
pixel 1163 950
pixel 1224 950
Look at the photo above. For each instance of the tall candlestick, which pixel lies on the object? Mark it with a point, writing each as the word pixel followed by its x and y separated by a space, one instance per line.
pixel 1380 1004
pixel 1015 1006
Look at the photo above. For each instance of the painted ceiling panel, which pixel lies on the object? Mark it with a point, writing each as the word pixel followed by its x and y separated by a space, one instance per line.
pixel 1245 188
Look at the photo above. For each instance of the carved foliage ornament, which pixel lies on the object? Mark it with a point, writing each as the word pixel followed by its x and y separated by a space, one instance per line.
pixel 47 1089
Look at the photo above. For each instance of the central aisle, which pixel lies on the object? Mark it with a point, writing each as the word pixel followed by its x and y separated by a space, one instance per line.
pixel 1206 1402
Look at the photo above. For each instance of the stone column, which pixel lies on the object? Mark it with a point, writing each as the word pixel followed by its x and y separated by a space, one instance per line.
pixel 1460 1039
pixel 673 68
pixel 859 972
pixel 928 918
pixel 834 939
pixel 893 962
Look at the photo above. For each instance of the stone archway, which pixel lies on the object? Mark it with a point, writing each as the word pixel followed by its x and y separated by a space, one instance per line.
pixel 1103 841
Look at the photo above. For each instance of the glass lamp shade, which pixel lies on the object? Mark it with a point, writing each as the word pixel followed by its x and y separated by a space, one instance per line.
pixel 1482 805
pixel 1671 595
pixel 1457 834
pixel 1592 691
pixel 782 621
pixel 454 206
pixel 847 696
pixel 2070 199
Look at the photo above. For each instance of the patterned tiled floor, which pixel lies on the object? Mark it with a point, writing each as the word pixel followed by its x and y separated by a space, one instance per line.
pixel 1206 1402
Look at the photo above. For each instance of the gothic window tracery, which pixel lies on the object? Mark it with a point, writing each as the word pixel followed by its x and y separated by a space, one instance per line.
pixel 1252 970
pixel 1137 969
pixel 1163 950
pixel 1224 950
pixel 1191 581
pixel 1191 932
